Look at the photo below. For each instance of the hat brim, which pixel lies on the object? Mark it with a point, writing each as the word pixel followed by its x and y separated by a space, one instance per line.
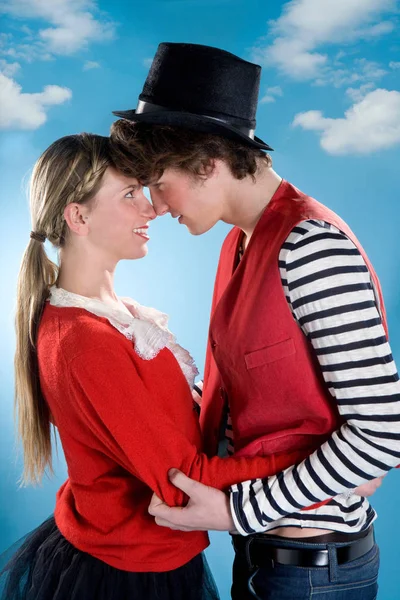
pixel 192 121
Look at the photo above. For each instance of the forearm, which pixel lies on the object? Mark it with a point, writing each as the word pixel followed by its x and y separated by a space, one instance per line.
pixel 221 473
pixel 325 474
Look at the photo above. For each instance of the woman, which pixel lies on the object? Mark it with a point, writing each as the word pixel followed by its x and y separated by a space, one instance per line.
pixel 110 376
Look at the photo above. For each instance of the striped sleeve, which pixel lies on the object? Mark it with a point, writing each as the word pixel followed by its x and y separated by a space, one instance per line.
pixel 197 391
pixel 197 395
pixel 331 295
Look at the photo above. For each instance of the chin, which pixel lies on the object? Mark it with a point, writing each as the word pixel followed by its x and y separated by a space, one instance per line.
pixel 143 252
pixel 139 253
pixel 199 228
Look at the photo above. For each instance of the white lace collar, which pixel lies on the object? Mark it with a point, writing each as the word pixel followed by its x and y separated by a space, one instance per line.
pixel 146 327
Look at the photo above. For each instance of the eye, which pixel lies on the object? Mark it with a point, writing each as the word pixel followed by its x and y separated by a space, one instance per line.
pixel 131 193
pixel 133 190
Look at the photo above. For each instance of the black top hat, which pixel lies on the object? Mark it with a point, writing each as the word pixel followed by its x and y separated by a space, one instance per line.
pixel 201 88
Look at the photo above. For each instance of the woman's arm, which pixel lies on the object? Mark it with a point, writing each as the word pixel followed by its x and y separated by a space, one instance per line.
pixel 142 432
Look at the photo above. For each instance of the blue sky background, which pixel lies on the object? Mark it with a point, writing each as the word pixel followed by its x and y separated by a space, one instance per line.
pixel 329 105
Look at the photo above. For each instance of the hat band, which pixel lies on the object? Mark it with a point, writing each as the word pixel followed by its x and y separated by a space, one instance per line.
pixel 148 107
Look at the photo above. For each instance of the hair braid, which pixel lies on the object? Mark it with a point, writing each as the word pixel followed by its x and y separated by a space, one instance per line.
pixel 70 170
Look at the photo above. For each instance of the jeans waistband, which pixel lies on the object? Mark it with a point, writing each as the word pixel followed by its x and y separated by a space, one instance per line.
pixel 261 551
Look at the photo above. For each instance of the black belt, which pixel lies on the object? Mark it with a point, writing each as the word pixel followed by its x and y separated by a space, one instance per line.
pixel 260 553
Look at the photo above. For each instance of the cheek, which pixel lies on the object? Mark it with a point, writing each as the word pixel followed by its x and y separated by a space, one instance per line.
pixel 187 201
pixel 200 202
pixel 170 198
pixel 110 224
pixel 179 197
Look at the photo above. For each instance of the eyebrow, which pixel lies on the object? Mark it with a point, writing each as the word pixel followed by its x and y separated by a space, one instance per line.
pixel 131 187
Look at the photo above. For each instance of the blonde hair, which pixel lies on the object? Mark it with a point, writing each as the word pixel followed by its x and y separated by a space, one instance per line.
pixel 70 170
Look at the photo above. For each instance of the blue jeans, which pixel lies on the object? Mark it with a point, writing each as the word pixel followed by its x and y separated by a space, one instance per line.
pixel 355 580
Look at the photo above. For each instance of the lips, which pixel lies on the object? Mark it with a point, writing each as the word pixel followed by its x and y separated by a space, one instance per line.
pixel 141 232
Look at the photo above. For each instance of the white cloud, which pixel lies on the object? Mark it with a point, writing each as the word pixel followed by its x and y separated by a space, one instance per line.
pixel 73 23
pixel 307 25
pixel 267 99
pixel 28 52
pixel 9 69
pixel 4 37
pixel 371 124
pixel 90 64
pixel 276 90
pixel 271 94
pixel 394 65
pixel 27 111
pixel 369 69
pixel 147 62
pixel 357 94
pixel 362 70
pixel 341 54
pixel 377 30
pixel 27 30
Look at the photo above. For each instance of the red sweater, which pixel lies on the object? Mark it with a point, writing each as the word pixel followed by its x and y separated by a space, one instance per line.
pixel 123 423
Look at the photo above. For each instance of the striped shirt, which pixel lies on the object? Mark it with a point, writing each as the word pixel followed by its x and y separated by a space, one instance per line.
pixel 332 298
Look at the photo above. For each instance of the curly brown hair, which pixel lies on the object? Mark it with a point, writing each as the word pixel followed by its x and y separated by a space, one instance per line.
pixel 144 151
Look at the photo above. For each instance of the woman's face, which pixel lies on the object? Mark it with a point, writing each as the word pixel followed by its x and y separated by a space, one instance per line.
pixel 118 223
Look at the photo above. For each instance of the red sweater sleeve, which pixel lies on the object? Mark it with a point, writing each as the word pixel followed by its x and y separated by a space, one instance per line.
pixel 142 431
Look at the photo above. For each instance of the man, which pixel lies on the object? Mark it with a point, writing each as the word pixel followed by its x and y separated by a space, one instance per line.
pixel 298 356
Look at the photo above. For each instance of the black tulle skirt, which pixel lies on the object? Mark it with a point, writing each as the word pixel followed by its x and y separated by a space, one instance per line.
pixel 45 566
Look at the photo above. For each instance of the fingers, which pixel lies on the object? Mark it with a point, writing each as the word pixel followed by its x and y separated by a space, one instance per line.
pixel 184 483
pixel 174 517
pixel 154 505
pixel 176 527
pixel 165 523
pixel 158 508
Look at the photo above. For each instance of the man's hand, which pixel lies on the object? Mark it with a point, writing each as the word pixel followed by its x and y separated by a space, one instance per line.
pixel 207 509
pixel 369 488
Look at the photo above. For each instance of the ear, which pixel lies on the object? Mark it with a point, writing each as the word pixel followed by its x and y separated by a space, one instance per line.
pixel 76 216
pixel 208 168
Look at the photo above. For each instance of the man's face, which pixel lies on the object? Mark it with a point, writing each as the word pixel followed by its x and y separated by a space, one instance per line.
pixel 197 203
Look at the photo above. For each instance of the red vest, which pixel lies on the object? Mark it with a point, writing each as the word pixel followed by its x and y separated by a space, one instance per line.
pixel 258 357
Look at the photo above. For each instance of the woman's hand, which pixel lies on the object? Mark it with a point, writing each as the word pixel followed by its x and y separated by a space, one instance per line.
pixel 370 487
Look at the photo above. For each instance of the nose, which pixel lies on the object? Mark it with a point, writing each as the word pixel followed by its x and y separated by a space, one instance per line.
pixel 150 213
pixel 147 209
pixel 161 207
